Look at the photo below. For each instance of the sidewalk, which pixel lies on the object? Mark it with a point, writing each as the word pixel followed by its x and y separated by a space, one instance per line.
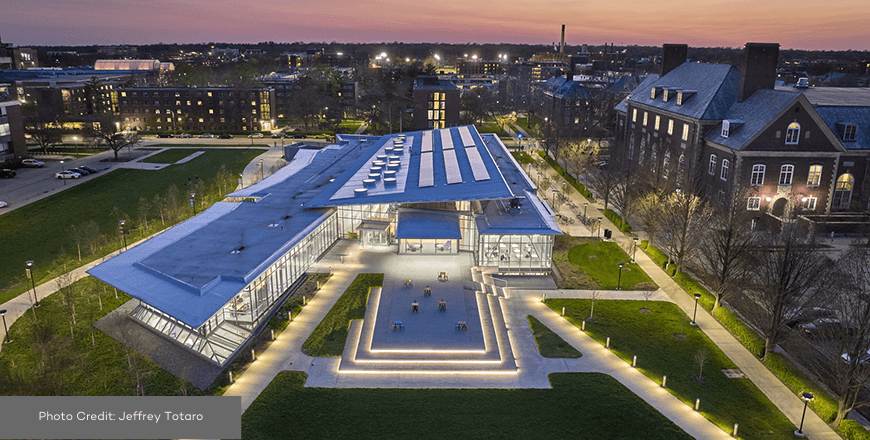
pixel 770 385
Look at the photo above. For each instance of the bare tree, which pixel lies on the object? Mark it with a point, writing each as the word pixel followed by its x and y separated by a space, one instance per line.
pixel 786 280
pixel 602 182
pixel 684 222
pixel 77 235
pixel 624 193
pixel 727 245
pixel 650 212
pixel 67 294
pixel 108 130
pixel 43 125
pixel 90 233
pixel 647 294
pixel 144 209
pixel 701 358
pixel 593 295
pixel 125 333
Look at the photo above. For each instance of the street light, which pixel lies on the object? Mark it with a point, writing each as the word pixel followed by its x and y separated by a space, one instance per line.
pixel 63 168
pixel 585 205
pixel 695 313
pixel 599 226
pixel 554 198
pixel 121 228
pixel 29 271
pixel 6 339
pixel 619 279
pixel 76 140
pixel 634 251
pixel 192 204
pixel 807 397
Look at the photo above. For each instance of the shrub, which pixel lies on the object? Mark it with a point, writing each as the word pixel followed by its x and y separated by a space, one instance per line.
pixel 852 430
pixel 657 255
pixel 823 404
pixel 692 287
pixel 741 331
pixel 618 221
pixel 644 244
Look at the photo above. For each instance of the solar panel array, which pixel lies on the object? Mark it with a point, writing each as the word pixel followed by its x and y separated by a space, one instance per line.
pixel 427 141
pixel 427 173
pixel 478 168
pixel 467 140
pixel 446 139
pixel 451 167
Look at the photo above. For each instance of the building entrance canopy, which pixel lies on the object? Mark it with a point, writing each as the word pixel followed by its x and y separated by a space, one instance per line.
pixel 428 224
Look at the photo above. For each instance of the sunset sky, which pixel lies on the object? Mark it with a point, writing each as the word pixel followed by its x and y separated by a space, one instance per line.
pixel 800 24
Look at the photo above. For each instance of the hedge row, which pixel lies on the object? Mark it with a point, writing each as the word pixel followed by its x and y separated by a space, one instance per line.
pixel 852 430
pixel 617 221
pixel 571 180
pixel 655 254
pixel 824 405
pixel 741 331
pixel 691 286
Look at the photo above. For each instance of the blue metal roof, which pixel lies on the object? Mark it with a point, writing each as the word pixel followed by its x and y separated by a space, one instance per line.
pixel 428 224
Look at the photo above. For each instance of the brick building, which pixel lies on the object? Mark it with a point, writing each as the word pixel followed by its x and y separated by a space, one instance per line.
pixel 729 132
pixel 436 103
pixel 12 144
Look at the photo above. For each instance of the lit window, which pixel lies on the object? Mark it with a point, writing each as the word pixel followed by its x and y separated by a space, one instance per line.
pixel 726 128
pixel 634 115
pixel 124 94
pixel 157 111
pixel 793 134
pixel 211 111
pixel 685 132
pixel 757 175
pixel 785 174
pixel 670 126
pixel 658 121
pixel 198 102
pixel 712 168
pixel 809 203
pixel 209 94
pixel 253 102
pixel 645 118
pixel 753 203
pixel 815 176
pixel 188 102
pixel 200 120
pixel 724 173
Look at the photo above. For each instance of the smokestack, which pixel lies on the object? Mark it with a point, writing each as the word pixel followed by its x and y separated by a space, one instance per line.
pixel 673 55
pixel 759 68
pixel 562 46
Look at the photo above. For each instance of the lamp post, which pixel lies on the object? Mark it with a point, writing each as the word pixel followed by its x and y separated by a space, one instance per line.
pixel 807 397
pixel 192 202
pixel 121 229
pixel 520 140
pixel 599 226
pixel 695 313
pixel 634 251
pixel 29 271
pixel 6 339
pixel 554 198
pixel 585 205
pixel 619 279
pixel 63 168
pixel 76 140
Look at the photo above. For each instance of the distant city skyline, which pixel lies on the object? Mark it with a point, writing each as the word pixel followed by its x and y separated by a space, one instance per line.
pixel 795 24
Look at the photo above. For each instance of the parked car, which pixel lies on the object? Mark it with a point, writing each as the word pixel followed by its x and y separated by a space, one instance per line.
pixel 279 135
pixel 808 315
pixel 80 171
pixel 299 136
pixel 185 136
pixel 89 169
pixel 6 173
pixel 3 204
pixel 863 359
pixel 67 175
pixel 33 163
pixel 165 135
pixel 255 135
pixel 823 327
pixel 225 136
pixel 206 136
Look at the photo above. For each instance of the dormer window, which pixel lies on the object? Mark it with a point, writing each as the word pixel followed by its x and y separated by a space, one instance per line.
pixel 848 132
pixel 793 134
pixel 655 91
pixel 726 128
pixel 684 95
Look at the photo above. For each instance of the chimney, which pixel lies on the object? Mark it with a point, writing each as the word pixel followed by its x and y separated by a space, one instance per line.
pixel 673 55
pixel 759 68
pixel 562 46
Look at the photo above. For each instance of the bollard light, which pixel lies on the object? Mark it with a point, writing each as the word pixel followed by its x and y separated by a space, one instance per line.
pixel 734 433
pixel 253 355
pixel 232 379
pixel 583 325
pixel 697 403
pixel 665 381
pixel 563 311
pixel 273 334
pixel 634 362
pixel 304 301
pixel 607 344
pixel 543 297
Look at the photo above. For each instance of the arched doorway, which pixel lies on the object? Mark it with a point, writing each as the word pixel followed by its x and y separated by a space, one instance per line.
pixel 779 207
pixel 843 191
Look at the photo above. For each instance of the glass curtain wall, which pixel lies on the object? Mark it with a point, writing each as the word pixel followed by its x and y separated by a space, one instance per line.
pixel 516 253
pixel 350 217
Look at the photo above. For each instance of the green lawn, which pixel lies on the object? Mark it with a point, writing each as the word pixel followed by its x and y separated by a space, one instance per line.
pixel 651 336
pixel 491 127
pixel 41 231
pixel 170 156
pixel 579 406
pixel 600 260
pixel 522 158
pixel 550 345
pixel 329 337
pixel 47 358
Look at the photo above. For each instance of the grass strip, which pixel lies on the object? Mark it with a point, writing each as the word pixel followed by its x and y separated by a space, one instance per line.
pixel 329 337
pixel 600 260
pixel 551 345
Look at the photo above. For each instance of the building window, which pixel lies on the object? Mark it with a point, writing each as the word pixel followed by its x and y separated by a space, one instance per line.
pixel 712 168
pixel 634 115
pixel 200 120
pixel 757 175
pixel 685 132
pixel 843 191
pixel 658 121
pixel 645 118
pixel 726 128
pixel 815 176
pixel 652 157
pixel 809 203
pixel 681 166
pixel 724 173
pixel 631 147
pixel 666 160
pixel 785 174
pixel 641 151
pixel 793 134
pixel 849 132
pixel 670 126
pixel 753 203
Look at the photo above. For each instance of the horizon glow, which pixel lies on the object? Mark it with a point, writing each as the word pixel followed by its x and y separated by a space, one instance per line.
pixel 798 24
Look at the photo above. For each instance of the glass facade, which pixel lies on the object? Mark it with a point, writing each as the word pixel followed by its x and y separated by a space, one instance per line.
pixel 515 253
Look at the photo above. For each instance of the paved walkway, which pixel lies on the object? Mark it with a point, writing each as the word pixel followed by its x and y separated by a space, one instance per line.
pixel 362 128
pixel 770 385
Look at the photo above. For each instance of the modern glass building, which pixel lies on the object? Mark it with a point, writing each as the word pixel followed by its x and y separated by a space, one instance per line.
pixel 211 282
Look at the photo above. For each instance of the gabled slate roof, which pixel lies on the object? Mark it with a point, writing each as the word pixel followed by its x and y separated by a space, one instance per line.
pixel 836 117
pixel 756 112
pixel 646 84
pixel 715 87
